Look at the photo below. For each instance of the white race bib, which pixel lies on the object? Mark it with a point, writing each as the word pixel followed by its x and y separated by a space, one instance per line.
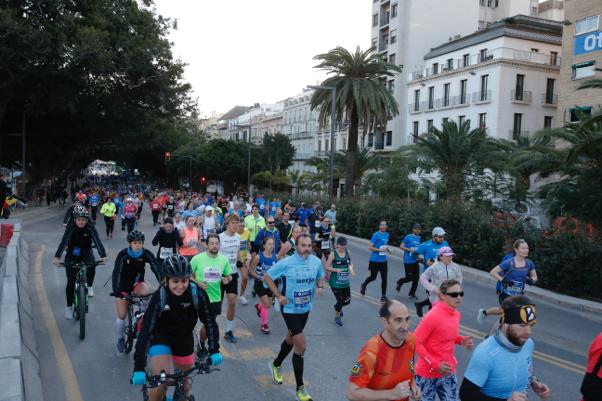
pixel 325 244
pixel 383 250
pixel 165 253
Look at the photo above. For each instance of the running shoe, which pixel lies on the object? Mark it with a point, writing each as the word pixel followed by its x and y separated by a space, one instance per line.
pixel 398 285
pixel 69 312
pixel 481 316
pixel 121 345
pixel 276 373
pixel 230 337
pixel 90 291
pixel 413 297
pixel 265 329
pixel 257 310
pixel 383 299
pixel 363 289
pixel 418 306
pixel 338 321
pixel 303 395
pixel 243 300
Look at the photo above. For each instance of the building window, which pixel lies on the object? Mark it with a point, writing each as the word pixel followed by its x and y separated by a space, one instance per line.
pixel 446 88
pixel 481 24
pixel 370 140
pixel 326 143
pixel 520 87
pixel 391 86
pixel 392 58
pixel 415 129
pixel 465 60
pixel 319 145
pixel 375 20
pixel 431 100
pixel 389 140
pixel 435 68
pixel 482 120
pixel 547 122
pixel 461 120
pixel 484 84
pixel 588 24
pixel 554 60
pixel 584 70
pixel 429 125
pixel 394 11
pixel 534 50
pixel 450 64
pixel 550 91
pixel 393 36
pixel 517 125
pixel 344 144
pixel 577 112
pixel 374 42
pixel 463 87
pixel 444 120
pixel 483 55
pixel 417 100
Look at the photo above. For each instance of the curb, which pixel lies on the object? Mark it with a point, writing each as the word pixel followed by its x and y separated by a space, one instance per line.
pixel 19 362
pixel 479 276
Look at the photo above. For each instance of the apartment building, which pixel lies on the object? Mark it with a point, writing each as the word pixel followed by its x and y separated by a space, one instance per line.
pixel 403 31
pixel 270 124
pixel 582 57
pixel 503 78
pixel 247 125
pixel 300 123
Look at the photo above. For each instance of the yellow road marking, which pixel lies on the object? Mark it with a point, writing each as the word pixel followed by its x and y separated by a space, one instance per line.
pixel 257 353
pixel 72 390
pixel 553 360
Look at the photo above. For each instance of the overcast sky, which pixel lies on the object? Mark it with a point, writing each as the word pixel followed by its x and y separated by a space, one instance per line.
pixel 241 52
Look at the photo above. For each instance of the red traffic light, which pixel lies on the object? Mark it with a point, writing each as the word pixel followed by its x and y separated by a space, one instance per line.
pixel 167 156
pixel 203 179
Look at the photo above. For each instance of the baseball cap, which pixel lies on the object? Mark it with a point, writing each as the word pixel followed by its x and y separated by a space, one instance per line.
pixel 446 251
pixel 438 231
pixel 416 225
pixel 209 209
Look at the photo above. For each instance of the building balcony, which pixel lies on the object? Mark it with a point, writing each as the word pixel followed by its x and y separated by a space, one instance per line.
pixel 482 97
pixel 302 156
pixel 520 97
pixel 549 100
pixel 414 108
pixel 513 134
pixel 460 100
pixel 322 153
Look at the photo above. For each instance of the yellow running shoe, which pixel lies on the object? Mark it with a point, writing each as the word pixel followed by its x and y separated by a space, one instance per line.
pixel 276 373
pixel 303 395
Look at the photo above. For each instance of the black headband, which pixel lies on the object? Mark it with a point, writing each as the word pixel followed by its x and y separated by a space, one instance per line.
pixel 525 314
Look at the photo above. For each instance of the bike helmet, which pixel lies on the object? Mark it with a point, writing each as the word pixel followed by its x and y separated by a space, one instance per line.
pixel 176 266
pixel 135 235
pixel 80 211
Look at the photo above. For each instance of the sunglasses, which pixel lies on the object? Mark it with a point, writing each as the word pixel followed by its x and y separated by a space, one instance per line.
pixel 270 222
pixel 455 294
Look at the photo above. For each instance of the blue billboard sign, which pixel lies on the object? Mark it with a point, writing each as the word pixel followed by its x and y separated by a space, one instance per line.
pixel 589 42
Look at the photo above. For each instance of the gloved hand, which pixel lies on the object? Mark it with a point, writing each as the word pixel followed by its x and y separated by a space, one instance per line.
pixel 529 281
pixel 216 359
pixel 139 378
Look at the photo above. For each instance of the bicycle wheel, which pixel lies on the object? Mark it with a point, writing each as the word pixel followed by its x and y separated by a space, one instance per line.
pixel 129 332
pixel 81 310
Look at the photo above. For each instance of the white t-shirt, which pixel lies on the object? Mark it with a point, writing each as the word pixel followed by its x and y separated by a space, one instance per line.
pixel 229 246
pixel 209 225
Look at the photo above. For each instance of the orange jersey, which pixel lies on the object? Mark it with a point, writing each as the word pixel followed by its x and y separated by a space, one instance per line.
pixel 381 366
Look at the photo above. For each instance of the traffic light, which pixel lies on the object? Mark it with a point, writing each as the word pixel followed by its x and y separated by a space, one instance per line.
pixel 203 180
pixel 167 156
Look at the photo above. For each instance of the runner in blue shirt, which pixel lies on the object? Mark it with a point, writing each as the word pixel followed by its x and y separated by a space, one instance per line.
pixel 379 246
pixel 275 204
pixel 408 245
pixel 501 367
pixel 428 252
pixel 302 214
pixel 261 202
pixel 300 273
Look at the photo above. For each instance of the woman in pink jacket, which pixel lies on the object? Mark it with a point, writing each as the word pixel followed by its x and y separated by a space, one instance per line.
pixel 436 335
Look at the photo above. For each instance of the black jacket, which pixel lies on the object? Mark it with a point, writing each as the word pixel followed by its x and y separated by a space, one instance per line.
pixel 128 269
pixel 172 240
pixel 82 238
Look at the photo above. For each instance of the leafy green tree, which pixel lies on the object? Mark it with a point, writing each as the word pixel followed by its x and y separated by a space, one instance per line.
pixel 390 180
pixel 361 97
pixel 455 152
pixel 298 180
pixel 265 179
pixel 278 152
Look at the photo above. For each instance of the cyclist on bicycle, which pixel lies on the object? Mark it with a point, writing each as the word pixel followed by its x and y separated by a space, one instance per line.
pixel 167 330
pixel 78 239
pixel 128 278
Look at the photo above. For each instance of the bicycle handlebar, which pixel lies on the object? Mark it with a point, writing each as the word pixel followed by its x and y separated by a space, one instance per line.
pixel 82 264
pixel 170 379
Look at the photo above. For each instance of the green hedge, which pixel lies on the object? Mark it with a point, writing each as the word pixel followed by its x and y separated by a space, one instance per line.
pixel 567 263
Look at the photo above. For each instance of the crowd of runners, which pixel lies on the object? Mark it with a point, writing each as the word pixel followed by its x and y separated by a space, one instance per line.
pixel 211 249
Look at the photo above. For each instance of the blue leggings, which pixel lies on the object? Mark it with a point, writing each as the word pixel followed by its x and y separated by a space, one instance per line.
pixel 445 387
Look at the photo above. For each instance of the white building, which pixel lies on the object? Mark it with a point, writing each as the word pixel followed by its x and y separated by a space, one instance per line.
pixel 300 123
pixel 403 31
pixel 240 127
pixel 503 78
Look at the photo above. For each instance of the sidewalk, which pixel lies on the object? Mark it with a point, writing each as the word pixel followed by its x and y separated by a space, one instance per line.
pixel 483 277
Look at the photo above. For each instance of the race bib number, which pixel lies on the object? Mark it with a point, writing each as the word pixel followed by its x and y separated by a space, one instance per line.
pixel 211 231
pixel 343 278
pixel 76 251
pixel 169 207
pixel 302 298
pixel 317 224
pixel 325 244
pixel 243 245
pixel 212 275
pixel 515 288
pixel 165 253
pixel 383 250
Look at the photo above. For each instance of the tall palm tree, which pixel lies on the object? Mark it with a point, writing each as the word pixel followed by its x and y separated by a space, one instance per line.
pixel 361 96
pixel 364 162
pixel 455 152
pixel 298 180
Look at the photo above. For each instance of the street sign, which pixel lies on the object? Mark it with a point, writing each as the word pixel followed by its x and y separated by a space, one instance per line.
pixel 589 42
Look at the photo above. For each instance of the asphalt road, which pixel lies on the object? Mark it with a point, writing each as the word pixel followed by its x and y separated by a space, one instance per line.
pixel 91 370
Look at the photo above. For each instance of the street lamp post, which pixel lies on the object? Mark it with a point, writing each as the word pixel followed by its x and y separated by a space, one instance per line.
pixel 333 109
pixel 190 159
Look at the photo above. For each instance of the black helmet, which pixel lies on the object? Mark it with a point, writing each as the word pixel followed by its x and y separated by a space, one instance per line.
pixel 176 266
pixel 80 211
pixel 135 235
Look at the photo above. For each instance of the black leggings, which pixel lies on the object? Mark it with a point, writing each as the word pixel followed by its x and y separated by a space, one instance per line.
pixel 374 268
pixel 343 297
pixel 110 223
pixel 131 223
pixel 412 275
pixel 72 275
pixel 156 216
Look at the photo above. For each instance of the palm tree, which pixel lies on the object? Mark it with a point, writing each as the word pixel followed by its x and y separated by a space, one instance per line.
pixel 361 96
pixel 364 162
pixel 455 152
pixel 298 179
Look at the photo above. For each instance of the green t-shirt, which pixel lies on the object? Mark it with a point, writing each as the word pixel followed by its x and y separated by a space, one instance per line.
pixel 340 280
pixel 210 271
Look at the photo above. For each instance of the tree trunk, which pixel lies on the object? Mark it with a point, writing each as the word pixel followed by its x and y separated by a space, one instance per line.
pixel 350 157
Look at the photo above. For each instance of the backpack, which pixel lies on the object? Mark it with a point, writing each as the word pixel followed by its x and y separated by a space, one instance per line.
pixel 528 264
pixel 163 297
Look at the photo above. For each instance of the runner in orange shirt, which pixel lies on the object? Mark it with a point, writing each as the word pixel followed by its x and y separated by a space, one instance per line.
pixel 385 366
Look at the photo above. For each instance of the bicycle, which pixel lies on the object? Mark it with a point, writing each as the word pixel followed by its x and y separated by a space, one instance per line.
pixel 133 324
pixel 177 380
pixel 80 306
